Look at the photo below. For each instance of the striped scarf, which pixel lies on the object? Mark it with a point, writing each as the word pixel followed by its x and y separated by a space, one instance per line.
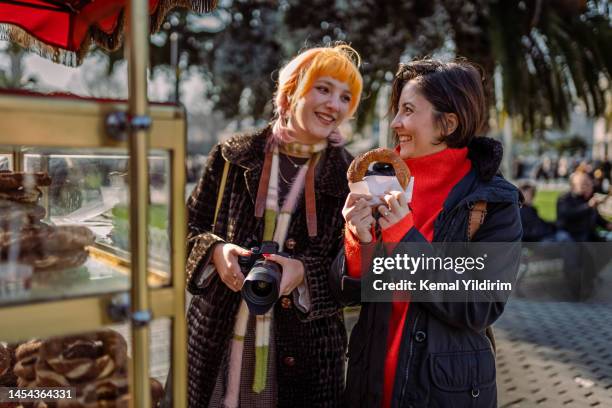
pixel 276 227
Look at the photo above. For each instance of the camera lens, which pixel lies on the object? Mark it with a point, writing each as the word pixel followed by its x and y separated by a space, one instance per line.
pixel 262 289
pixel 261 286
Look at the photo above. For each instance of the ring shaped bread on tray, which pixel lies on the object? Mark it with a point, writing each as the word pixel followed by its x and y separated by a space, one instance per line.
pixel 359 167
pixel 10 180
pixel 83 357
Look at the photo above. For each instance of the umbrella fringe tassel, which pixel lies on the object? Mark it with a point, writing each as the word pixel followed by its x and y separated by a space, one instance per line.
pixel 21 37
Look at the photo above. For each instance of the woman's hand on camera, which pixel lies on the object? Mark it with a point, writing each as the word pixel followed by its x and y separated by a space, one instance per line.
pixel 358 216
pixel 292 275
pixel 225 259
pixel 395 210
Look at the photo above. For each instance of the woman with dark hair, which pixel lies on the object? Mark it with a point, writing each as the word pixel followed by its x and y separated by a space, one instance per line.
pixel 283 183
pixel 430 354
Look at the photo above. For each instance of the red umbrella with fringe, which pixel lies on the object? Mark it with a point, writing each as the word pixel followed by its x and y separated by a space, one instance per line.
pixel 63 30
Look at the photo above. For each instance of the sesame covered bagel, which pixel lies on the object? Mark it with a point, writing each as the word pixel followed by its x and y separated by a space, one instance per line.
pixel 10 180
pixel 27 356
pixel 43 240
pixel 359 167
pixel 83 357
pixel 16 213
pixel 5 360
pixel 22 195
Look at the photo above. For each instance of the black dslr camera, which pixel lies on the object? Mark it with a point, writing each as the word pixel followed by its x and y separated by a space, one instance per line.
pixel 262 283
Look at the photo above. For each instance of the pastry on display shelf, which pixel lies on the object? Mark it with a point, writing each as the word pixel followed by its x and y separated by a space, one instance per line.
pixel 7 362
pixel 94 364
pixel 25 239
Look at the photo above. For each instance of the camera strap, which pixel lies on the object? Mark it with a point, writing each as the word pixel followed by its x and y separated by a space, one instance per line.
pixel 220 193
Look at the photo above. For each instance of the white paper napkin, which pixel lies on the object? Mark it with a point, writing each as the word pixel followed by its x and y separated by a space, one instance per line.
pixel 378 186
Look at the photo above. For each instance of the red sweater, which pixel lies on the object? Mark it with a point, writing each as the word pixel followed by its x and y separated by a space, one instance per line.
pixel 434 177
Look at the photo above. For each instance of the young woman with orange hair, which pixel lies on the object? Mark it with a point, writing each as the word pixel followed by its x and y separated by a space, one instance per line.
pixel 285 183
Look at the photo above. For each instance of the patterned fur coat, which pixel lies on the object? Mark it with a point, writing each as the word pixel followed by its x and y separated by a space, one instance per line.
pixel 309 347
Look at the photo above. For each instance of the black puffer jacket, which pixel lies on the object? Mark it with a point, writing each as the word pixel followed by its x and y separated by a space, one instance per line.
pixel 446 358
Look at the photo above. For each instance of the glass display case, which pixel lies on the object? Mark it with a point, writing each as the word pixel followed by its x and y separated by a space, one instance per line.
pixel 86 189
pixel 65 254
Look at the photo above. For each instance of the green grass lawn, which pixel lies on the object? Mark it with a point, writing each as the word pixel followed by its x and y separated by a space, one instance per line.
pixel 546 203
pixel 158 215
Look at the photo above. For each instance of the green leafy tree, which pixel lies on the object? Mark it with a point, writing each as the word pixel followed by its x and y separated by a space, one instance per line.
pixel 550 54
pixel 236 51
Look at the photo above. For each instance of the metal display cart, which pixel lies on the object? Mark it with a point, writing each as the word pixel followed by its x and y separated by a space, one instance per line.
pixel 39 129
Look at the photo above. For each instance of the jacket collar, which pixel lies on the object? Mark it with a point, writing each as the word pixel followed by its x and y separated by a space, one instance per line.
pixel 484 182
pixel 247 151
pixel 486 156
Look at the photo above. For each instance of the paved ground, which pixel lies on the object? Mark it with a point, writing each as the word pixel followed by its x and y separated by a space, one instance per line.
pixel 551 353
pixel 554 354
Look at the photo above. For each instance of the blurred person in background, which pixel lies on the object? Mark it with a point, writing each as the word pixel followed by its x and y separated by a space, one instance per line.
pixel 577 210
pixel 535 229
pixel 577 213
pixel 563 167
pixel 544 169
pixel 600 184
pixel 553 242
